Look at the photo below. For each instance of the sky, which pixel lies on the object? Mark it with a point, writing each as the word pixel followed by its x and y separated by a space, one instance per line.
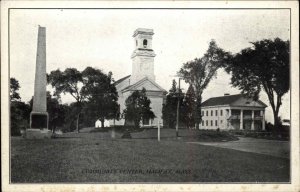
pixel 102 38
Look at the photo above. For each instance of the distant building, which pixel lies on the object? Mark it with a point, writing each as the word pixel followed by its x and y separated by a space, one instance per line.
pixel 142 76
pixel 233 112
pixel 106 123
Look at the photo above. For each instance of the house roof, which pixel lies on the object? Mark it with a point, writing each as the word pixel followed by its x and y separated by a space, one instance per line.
pixel 225 100
pixel 122 79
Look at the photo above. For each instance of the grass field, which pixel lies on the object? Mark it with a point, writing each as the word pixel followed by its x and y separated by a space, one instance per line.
pixel 94 159
pixel 165 133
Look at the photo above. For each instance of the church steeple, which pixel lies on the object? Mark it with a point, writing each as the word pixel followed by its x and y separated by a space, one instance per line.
pixel 143 55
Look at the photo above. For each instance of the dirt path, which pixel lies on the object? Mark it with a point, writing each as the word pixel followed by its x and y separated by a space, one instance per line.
pixel 262 146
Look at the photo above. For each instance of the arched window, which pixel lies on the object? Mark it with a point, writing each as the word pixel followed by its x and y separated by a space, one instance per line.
pixel 145 43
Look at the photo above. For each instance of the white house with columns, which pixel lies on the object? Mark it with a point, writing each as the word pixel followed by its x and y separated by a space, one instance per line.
pixel 233 112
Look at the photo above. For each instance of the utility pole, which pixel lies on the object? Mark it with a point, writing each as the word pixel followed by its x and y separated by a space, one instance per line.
pixel 178 103
pixel 158 130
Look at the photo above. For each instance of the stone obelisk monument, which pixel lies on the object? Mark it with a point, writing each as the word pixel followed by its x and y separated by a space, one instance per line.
pixel 39 116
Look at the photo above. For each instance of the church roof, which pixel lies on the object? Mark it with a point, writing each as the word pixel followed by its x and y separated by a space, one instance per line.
pixel 143 31
pixel 226 100
pixel 122 79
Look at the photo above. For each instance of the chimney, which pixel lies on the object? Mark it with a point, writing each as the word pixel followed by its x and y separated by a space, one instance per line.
pixel 226 94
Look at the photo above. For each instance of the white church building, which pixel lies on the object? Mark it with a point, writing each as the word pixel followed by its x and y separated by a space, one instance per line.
pixel 142 76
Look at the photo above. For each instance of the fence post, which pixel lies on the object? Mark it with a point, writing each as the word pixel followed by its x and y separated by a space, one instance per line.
pixel 113 133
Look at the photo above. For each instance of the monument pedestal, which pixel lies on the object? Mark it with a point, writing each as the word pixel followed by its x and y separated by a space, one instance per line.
pixel 38 134
pixel 38 126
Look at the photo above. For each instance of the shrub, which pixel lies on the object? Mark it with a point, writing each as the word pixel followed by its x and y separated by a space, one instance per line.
pixel 269 127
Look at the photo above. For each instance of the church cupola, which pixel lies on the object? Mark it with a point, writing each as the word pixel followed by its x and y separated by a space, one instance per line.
pixel 143 38
pixel 145 43
pixel 143 55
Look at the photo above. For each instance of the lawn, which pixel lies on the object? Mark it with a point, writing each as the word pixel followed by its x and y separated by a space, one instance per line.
pixel 165 133
pixel 94 159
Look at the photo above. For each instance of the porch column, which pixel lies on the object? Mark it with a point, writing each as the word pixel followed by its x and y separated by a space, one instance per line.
pixel 252 120
pixel 241 120
pixel 228 121
pixel 263 120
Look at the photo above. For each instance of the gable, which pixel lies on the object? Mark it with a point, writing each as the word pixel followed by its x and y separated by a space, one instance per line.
pixel 146 83
pixel 148 86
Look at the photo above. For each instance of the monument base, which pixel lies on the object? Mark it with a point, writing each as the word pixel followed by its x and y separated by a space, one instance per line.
pixel 38 126
pixel 38 134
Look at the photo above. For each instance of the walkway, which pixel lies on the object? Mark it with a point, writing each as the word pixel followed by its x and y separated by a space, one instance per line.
pixel 262 146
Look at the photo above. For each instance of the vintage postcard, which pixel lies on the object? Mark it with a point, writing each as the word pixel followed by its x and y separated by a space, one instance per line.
pixel 150 96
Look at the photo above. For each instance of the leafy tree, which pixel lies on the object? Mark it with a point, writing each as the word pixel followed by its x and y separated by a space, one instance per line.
pixel 14 87
pixel 56 111
pixel 19 111
pixel 87 117
pixel 169 109
pixel 189 107
pixel 71 117
pixel 68 82
pixel 200 71
pixel 101 94
pixel 263 66
pixel 138 108
pixel 19 117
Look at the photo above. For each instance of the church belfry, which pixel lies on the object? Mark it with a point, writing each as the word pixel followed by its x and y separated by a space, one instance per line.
pixel 143 55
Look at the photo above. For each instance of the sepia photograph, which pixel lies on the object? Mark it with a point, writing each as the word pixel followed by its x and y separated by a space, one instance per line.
pixel 150 95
